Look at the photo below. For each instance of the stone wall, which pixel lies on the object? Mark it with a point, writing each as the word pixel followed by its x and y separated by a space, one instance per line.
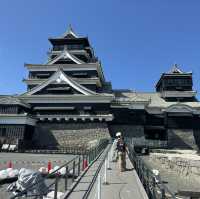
pixel 181 139
pixel 197 137
pixel 49 135
pixel 181 165
pixel 127 130
pixel 178 170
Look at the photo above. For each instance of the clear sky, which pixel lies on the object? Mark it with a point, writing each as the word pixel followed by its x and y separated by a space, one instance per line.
pixel 136 40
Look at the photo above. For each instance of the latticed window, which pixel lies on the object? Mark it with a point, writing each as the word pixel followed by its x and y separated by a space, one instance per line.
pixel 8 109
pixel 2 131
pixel 11 131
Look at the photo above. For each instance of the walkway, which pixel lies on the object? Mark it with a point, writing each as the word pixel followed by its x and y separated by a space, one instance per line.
pixel 122 185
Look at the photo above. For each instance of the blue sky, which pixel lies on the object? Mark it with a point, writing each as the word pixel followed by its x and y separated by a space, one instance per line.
pixel 136 40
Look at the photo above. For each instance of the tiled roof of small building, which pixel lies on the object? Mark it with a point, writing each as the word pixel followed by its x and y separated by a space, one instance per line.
pixel 153 98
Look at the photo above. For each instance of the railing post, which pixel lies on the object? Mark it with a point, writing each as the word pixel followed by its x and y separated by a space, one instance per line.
pixel 79 165
pixel 83 162
pixel 154 186
pixel 109 158
pixel 66 178
pixel 56 186
pixel 142 172
pixel 147 181
pixel 73 173
pixel 89 156
pixel 99 187
pixel 162 193
pixel 138 167
pixel 93 154
pixel 105 173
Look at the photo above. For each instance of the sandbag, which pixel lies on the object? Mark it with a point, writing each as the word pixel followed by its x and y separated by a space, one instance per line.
pixel 3 174
pixel 30 182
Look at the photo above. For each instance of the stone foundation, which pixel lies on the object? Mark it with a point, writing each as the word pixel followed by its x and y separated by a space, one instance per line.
pixel 181 139
pixel 127 130
pixel 51 135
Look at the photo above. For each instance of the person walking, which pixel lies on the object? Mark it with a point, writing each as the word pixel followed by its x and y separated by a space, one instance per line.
pixel 114 152
pixel 121 148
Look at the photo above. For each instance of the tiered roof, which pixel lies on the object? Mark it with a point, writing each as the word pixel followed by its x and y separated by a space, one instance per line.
pixel 61 77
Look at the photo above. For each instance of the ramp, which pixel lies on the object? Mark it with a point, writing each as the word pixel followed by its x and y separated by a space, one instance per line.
pixel 120 184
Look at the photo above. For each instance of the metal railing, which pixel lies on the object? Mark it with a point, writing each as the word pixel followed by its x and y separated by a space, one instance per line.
pixel 73 169
pixel 105 162
pixel 152 183
pixel 62 150
pixel 150 143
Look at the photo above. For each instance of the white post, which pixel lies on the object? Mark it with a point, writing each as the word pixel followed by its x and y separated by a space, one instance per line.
pixel 112 151
pixel 99 187
pixel 109 158
pixel 105 173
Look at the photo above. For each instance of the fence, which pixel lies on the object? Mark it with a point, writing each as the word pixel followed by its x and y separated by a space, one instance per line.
pixel 62 150
pixel 142 142
pixel 72 169
pixel 97 176
pixel 152 183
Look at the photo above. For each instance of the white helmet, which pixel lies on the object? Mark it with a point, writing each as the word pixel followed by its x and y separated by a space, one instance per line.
pixel 118 134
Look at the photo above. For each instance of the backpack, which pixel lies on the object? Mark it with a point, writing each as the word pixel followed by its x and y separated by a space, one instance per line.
pixel 121 146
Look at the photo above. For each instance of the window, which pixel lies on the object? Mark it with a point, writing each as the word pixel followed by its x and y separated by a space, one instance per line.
pixel 75 46
pixel 3 131
pixel 58 47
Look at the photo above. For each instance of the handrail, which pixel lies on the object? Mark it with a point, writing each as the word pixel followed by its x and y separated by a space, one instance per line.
pixel 89 157
pixel 153 184
pixel 47 176
pixel 87 193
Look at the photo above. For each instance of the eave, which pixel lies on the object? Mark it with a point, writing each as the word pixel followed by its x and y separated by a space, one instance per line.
pixel 17 119
pixel 181 94
pixel 95 81
pixel 106 98
pixel 63 40
pixel 75 52
pixel 67 67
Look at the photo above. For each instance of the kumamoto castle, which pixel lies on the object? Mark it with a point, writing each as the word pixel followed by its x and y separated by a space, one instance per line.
pixel 69 102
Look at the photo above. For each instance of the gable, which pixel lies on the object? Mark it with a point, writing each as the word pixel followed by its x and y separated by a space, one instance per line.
pixel 61 79
pixel 58 88
pixel 66 55
pixel 179 108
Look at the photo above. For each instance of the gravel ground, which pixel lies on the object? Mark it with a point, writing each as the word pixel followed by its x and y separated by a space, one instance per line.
pixel 174 180
pixel 34 162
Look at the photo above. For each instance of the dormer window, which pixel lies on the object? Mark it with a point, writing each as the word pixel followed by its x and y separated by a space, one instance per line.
pixel 80 74
pixel 75 46
pixel 43 75
pixel 58 48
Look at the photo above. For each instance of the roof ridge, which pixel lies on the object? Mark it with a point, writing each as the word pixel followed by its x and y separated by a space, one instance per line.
pixel 70 31
pixel 66 54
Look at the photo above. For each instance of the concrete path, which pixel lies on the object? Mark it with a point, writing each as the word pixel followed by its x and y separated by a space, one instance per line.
pixel 121 185
pixel 86 180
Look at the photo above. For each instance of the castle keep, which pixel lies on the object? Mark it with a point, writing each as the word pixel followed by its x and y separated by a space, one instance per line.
pixel 69 102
